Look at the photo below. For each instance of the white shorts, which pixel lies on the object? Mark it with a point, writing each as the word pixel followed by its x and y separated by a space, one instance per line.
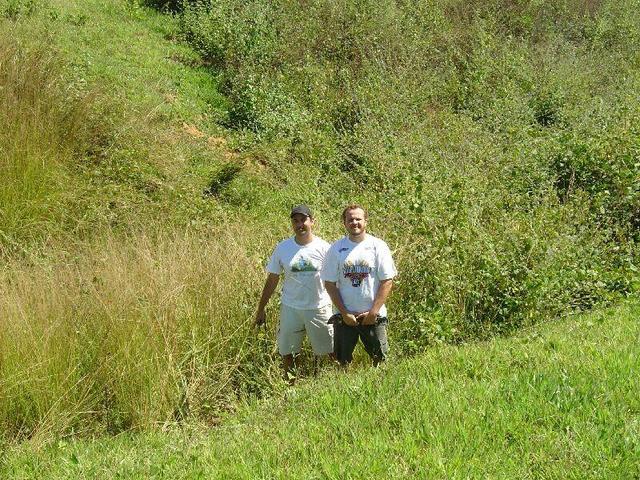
pixel 294 323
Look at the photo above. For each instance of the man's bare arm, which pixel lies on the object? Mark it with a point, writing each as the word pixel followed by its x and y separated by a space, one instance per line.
pixel 269 287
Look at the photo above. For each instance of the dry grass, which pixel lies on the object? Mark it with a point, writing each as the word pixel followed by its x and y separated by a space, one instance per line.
pixel 107 331
pixel 129 333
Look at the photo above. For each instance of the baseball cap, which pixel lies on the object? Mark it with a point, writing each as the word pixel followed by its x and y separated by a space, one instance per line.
pixel 302 209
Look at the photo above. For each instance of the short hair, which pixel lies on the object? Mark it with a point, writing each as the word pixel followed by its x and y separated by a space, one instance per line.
pixel 354 206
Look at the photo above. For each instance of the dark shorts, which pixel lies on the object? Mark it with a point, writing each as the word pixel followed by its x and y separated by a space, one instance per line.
pixel 373 337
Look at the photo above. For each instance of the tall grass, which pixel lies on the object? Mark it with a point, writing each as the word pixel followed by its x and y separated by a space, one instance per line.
pixel 495 144
pixel 130 333
pixel 44 125
pixel 103 331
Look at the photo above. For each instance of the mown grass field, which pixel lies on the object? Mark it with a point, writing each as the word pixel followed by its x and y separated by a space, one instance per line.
pixel 555 401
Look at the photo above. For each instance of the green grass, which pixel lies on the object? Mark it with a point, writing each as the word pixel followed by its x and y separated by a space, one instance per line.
pixel 556 401
pixel 147 179
pixel 71 363
pixel 152 110
pixel 134 54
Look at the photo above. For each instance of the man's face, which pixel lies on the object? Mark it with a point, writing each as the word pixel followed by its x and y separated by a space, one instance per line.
pixel 355 222
pixel 301 224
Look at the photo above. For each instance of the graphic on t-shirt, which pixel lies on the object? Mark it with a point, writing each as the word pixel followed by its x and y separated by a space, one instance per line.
pixel 303 265
pixel 356 273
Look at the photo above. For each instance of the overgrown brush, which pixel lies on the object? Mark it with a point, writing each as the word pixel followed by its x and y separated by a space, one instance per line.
pixel 495 141
pixel 131 333
pixel 13 9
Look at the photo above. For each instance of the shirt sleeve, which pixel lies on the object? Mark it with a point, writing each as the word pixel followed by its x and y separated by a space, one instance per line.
pixel 274 265
pixel 330 266
pixel 386 265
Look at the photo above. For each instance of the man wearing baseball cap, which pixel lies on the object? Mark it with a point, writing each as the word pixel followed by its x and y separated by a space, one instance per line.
pixel 305 304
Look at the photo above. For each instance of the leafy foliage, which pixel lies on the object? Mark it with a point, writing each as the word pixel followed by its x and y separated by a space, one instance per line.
pixel 470 128
pixel 495 144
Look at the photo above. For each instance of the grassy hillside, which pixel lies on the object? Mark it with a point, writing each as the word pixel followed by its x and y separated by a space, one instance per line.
pixel 556 401
pixel 147 163
pixel 110 72
pixel 115 281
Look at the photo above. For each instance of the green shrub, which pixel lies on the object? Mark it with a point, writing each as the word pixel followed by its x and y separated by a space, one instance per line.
pixel 12 9
pixel 467 127
pixel 604 162
pixel 165 5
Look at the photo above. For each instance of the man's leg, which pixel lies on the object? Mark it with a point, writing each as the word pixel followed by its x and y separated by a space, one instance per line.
pixel 345 340
pixel 320 333
pixel 374 340
pixel 290 335
pixel 288 365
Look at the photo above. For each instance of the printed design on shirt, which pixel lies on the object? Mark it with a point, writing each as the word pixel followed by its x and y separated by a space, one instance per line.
pixel 303 265
pixel 356 272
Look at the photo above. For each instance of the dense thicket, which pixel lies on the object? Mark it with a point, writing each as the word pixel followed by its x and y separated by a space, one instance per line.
pixel 497 141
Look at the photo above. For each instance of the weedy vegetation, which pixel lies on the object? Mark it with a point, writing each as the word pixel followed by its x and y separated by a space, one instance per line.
pixel 554 401
pixel 148 157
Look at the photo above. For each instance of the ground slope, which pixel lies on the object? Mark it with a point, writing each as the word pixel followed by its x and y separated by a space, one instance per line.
pixel 557 401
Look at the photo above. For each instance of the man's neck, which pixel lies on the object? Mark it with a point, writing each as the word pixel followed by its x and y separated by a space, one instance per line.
pixel 304 240
pixel 357 238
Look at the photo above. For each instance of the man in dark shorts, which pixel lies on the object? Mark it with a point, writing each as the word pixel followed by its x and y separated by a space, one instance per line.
pixel 358 274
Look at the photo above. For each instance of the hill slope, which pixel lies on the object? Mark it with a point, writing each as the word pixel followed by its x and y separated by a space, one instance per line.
pixel 148 162
pixel 557 401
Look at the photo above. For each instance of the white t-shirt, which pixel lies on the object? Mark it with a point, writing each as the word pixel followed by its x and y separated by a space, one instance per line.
pixel 301 264
pixel 357 269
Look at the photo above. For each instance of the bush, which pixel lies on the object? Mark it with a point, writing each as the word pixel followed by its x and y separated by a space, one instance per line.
pixel 467 127
pixel 12 9
pixel 166 5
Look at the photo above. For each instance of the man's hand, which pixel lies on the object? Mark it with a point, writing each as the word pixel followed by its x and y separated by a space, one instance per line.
pixel 349 319
pixel 261 318
pixel 367 318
